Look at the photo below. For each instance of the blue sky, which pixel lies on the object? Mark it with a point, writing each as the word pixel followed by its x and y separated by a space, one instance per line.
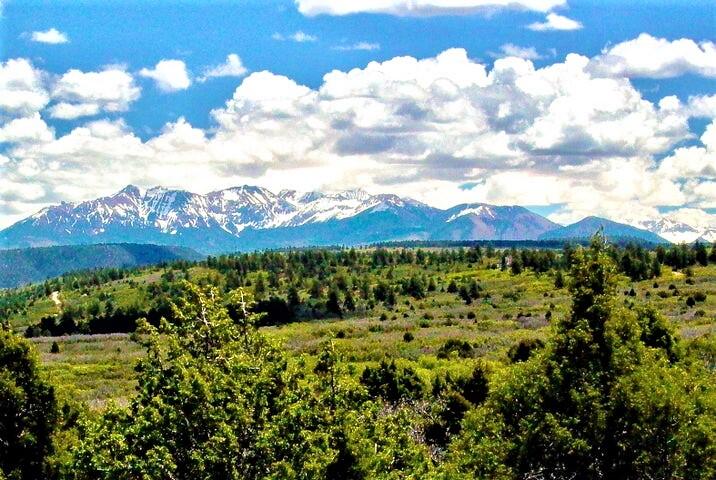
pixel 202 33
pixel 131 37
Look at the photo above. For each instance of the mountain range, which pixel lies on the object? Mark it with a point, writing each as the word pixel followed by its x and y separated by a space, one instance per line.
pixel 249 218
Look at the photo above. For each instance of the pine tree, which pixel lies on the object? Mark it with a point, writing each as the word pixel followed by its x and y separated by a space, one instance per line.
pixel 333 304
pixel 348 301
pixel 558 279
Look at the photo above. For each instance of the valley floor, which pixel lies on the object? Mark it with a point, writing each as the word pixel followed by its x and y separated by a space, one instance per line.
pixel 97 369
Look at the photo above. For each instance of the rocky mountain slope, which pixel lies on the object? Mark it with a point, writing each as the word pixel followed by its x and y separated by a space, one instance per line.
pixel 248 217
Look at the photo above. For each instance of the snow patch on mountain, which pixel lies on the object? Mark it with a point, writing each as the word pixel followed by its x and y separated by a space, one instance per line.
pixel 480 211
pixel 671 230
pixel 232 209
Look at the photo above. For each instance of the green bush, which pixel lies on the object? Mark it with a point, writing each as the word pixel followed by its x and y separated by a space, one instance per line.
pixel 28 412
pixel 602 401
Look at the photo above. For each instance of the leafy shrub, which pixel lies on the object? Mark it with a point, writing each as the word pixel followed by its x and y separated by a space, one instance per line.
pixel 461 348
pixel 391 383
pixel 28 412
pixel 522 351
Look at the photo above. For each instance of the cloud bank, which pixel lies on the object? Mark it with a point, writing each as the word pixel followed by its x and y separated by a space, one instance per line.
pixel 420 7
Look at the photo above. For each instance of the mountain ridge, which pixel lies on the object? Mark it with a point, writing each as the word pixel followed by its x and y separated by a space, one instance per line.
pixel 249 217
pixel 27 265
pixel 587 226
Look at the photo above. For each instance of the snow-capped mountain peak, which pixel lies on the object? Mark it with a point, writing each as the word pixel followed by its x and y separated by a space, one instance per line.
pixel 131 191
pixel 672 230
pixel 245 217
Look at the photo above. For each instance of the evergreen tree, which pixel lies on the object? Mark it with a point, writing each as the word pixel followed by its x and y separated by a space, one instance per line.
pixel 655 268
pixel 259 286
pixel 293 297
pixel 333 304
pixel 558 279
pixel 516 265
pixel 348 301
pixel 702 256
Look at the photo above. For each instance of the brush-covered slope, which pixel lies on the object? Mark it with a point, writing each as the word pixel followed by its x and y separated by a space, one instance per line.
pixel 21 266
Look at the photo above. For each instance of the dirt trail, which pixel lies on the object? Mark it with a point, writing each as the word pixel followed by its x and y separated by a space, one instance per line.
pixel 55 297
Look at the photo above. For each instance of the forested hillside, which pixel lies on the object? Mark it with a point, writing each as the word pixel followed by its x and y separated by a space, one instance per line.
pixel 21 266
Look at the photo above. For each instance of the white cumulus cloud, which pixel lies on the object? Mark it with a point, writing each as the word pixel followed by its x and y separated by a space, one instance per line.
pixel 169 75
pixel 648 56
pixel 22 90
pixel 51 36
pixel 26 130
pixel 81 94
pixel 232 67
pixel 554 21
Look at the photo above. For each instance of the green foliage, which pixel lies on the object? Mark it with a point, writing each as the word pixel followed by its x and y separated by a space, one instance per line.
pixel 512 396
pixel 524 349
pixel 391 383
pixel 215 400
pixel 28 412
pixel 602 402
pixel 459 348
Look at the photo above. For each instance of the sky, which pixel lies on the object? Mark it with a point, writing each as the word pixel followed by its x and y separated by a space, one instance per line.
pixel 571 108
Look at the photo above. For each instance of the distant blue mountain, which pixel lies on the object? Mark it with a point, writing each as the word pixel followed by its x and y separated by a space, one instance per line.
pixel 588 226
pixel 480 221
